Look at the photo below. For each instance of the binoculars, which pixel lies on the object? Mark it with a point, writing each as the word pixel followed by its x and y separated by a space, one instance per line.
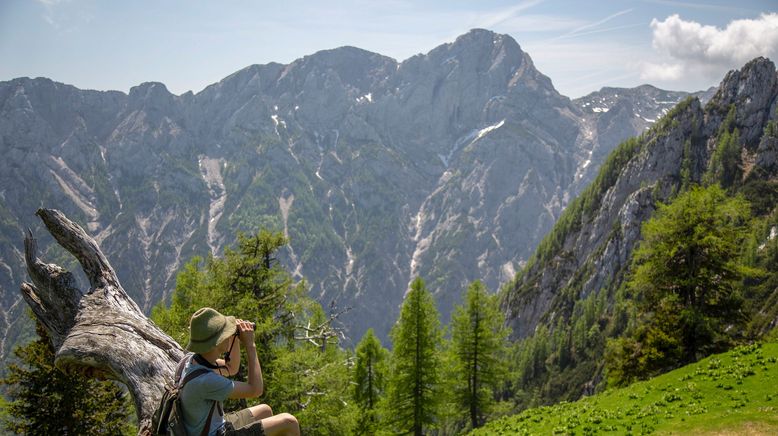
pixel 253 326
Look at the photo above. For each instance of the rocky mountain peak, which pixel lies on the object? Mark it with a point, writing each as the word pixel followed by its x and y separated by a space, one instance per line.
pixel 252 79
pixel 346 66
pixel 149 90
pixel 152 98
pixel 751 89
pixel 481 51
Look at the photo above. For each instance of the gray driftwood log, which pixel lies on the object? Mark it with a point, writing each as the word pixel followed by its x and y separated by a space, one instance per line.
pixel 99 332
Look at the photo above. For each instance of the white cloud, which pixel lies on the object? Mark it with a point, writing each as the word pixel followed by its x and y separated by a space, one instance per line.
pixel 687 47
pixel 664 72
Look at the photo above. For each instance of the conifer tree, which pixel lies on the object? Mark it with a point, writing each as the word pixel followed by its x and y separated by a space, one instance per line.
pixel 413 394
pixel 685 276
pixel 479 350
pixel 369 380
pixel 46 401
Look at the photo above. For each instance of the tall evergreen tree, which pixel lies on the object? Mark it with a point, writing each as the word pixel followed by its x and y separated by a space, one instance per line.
pixel 248 282
pixel 685 278
pixel 413 394
pixel 369 380
pixel 46 401
pixel 479 351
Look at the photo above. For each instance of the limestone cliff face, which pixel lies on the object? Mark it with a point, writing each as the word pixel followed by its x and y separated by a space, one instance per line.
pixel 450 166
pixel 593 244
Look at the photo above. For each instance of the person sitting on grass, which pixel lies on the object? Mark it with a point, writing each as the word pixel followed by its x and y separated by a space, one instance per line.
pixel 213 335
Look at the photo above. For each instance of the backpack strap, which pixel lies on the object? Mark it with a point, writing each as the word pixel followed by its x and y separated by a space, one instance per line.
pixel 189 377
pixel 208 421
pixel 192 375
pixel 181 365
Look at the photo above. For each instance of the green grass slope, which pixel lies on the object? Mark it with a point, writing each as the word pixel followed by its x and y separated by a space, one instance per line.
pixel 732 393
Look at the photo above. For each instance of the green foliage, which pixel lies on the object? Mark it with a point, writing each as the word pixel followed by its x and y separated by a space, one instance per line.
pixel 725 164
pixel 313 383
pixel 733 393
pixel 670 120
pixel 248 283
pixel 760 251
pixel 686 279
pixel 479 352
pixel 46 401
pixel 686 165
pixel 558 363
pixel 369 381
pixel 306 372
pixel 414 384
pixel 771 129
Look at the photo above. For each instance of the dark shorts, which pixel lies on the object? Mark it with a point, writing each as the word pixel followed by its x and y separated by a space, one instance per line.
pixel 243 423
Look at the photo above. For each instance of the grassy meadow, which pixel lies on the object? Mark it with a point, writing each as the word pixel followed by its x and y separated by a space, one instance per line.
pixel 734 393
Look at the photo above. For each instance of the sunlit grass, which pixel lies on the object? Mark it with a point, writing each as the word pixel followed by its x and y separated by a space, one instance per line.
pixel 730 393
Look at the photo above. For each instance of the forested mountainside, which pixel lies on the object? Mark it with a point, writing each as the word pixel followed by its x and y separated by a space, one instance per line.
pixel 570 299
pixel 450 165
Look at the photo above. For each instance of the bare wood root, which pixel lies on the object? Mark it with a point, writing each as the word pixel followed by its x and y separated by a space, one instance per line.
pixel 102 332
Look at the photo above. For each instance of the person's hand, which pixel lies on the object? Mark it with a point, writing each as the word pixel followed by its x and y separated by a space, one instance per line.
pixel 245 332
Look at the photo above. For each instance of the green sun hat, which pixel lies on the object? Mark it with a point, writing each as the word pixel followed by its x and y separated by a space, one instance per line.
pixel 207 328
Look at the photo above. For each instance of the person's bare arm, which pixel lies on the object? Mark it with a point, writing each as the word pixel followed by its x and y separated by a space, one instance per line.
pixel 234 364
pixel 255 385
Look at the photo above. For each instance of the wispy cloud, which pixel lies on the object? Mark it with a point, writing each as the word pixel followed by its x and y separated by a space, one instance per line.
pixel 703 6
pixel 51 13
pixel 580 67
pixel 688 47
pixel 603 30
pixel 581 30
pixel 538 23
pixel 495 18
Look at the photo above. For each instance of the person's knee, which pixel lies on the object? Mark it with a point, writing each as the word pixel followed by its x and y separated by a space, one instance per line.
pixel 261 411
pixel 289 420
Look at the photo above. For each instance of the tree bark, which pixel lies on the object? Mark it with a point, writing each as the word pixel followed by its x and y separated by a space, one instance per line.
pixel 100 332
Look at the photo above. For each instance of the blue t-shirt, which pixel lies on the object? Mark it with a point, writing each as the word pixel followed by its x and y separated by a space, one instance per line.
pixel 198 396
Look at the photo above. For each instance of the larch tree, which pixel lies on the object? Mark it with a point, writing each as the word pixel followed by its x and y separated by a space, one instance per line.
pixel 479 350
pixel 369 380
pixel 685 278
pixel 413 392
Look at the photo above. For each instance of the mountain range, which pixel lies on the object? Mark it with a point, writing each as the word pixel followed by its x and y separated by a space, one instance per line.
pixel 451 166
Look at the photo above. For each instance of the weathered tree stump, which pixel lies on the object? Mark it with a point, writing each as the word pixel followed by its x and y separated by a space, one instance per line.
pixel 101 333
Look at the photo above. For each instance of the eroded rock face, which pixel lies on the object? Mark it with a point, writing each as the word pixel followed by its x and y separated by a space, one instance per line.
pixel 595 251
pixel 450 166
pixel 752 90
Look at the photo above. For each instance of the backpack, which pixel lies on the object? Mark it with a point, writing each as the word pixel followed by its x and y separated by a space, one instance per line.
pixel 168 418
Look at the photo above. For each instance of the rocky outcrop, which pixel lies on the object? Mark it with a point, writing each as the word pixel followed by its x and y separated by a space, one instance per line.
pixel 752 90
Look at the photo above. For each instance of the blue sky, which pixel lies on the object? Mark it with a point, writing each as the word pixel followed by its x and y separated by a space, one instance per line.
pixel 581 45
